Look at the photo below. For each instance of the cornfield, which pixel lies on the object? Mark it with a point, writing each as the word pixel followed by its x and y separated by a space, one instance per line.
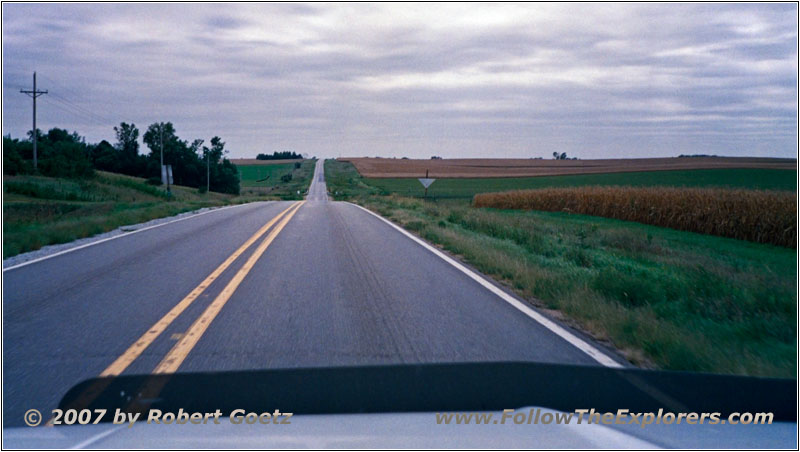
pixel 754 215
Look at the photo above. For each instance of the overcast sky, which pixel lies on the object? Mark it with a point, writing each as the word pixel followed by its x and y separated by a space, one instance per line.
pixel 457 80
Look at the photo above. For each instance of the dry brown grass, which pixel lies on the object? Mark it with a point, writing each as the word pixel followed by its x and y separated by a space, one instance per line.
pixel 754 215
pixel 469 168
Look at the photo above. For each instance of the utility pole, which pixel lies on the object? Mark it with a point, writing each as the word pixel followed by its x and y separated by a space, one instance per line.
pixel 34 94
pixel 208 171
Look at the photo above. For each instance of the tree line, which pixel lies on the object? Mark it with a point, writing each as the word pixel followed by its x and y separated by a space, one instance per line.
pixel 65 154
pixel 284 155
pixel 562 156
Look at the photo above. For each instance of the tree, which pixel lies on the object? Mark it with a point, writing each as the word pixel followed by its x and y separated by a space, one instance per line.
pixel 105 157
pixel 127 138
pixel 160 135
pixel 13 160
pixel 128 159
pixel 224 176
pixel 56 135
pixel 196 146
pixel 186 165
pixel 39 135
pixel 66 158
pixel 227 178
pixel 61 154
pixel 216 151
pixel 64 154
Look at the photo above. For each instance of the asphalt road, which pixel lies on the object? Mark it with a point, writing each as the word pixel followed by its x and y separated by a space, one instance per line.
pixel 335 285
pixel 318 191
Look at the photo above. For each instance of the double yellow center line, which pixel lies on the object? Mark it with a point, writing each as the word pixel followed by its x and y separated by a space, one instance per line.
pixel 179 352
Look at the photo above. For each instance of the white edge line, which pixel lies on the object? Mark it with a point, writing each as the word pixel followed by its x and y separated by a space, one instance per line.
pixel 577 342
pixel 86 245
pixel 89 441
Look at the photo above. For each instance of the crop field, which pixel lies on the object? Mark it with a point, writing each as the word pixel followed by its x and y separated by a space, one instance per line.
pixel 754 215
pixel 494 168
pixel 750 178
pixel 466 188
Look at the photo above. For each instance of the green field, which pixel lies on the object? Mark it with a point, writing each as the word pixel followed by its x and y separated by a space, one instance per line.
pixel 250 174
pixel 765 179
pixel 665 298
pixel 273 186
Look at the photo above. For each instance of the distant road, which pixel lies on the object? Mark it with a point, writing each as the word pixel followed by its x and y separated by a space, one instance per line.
pixel 320 284
pixel 318 191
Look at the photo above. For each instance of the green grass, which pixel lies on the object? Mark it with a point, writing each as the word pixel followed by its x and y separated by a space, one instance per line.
pixel 344 182
pixel 669 299
pixel 251 173
pixel 39 211
pixel 766 179
pixel 273 186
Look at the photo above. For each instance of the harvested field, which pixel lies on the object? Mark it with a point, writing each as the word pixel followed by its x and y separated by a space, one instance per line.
pixel 264 162
pixel 480 168
pixel 754 215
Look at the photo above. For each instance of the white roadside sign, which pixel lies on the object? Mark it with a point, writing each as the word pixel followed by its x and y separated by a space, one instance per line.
pixel 426 182
pixel 166 175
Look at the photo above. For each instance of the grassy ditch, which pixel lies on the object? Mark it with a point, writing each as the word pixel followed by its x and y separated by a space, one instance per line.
pixel 666 298
pixel 40 211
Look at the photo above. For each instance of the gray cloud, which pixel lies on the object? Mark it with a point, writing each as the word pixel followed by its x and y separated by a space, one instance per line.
pixel 508 80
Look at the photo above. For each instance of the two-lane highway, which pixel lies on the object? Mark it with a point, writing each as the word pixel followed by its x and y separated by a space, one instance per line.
pixel 318 191
pixel 264 285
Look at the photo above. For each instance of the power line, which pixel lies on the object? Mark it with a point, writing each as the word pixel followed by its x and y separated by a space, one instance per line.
pixel 56 85
pixel 73 111
pixel 80 109
pixel 72 94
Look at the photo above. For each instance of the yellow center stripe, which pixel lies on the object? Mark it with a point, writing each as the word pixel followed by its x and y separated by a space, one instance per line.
pixel 133 352
pixel 181 350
